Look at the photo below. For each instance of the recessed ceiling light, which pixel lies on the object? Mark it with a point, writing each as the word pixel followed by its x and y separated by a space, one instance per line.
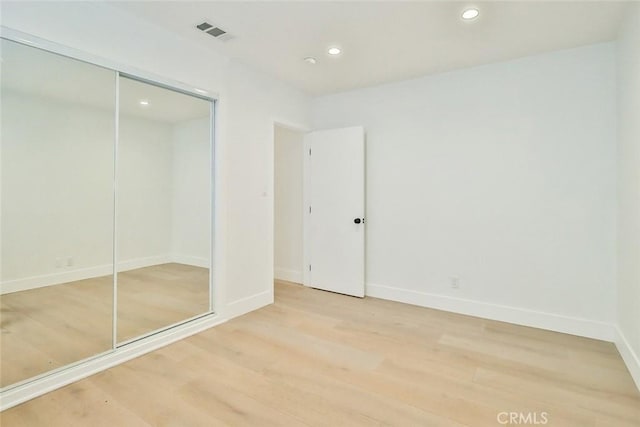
pixel 144 102
pixel 470 13
pixel 334 51
pixel 310 60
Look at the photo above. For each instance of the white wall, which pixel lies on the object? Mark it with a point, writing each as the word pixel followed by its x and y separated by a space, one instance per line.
pixel 253 104
pixel 501 175
pixel 249 104
pixel 629 190
pixel 288 204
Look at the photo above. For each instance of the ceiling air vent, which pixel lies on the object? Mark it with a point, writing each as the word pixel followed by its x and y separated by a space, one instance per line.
pixel 214 31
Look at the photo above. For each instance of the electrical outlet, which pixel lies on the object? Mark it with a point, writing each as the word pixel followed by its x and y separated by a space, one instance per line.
pixel 69 261
pixel 455 283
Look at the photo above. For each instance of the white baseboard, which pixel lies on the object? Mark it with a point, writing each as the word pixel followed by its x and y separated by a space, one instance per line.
pixel 288 275
pixel 245 305
pixel 21 393
pixel 630 357
pixel 190 260
pixel 97 271
pixel 519 316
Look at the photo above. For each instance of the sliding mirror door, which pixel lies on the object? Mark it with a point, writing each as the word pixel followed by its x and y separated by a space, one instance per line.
pixel 105 191
pixel 163 208
pixel 57 197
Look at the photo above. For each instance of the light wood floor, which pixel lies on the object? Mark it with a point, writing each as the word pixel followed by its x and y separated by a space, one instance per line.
pixel 317 358
pixel 50 327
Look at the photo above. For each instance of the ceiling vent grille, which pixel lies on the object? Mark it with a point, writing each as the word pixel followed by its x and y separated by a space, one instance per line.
pixel 214 31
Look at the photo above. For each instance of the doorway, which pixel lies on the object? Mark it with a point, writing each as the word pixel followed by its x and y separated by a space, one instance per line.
pixel 288 204
pixel 319 224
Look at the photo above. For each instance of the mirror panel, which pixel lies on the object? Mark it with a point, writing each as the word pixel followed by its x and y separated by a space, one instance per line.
pixel 163 208
pixel 56 208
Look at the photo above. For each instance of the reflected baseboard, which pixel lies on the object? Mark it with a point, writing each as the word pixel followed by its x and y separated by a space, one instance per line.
pixel 133 264
pixel 190 260
pixel 67 276
pixel 41 281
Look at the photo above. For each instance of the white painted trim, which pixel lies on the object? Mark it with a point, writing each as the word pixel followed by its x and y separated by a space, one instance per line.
pixel 190 260
pixel 78 274
pixel 306 202
pixel 16 395
pixel 296 127
pixel 516 315
pixel 50 46
pixel 251 303
pixel 288 275
pixel 114 234
pixel 213 211
pixel 631 359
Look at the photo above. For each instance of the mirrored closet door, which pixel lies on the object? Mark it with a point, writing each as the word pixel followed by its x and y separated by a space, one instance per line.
pixel 163 212
pixel 105 210
pixel 56 208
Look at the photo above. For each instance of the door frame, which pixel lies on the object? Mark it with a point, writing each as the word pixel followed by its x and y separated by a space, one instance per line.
pixel 306 205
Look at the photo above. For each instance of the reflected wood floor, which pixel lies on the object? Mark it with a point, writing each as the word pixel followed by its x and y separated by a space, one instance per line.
pixel 49 327
pixel 154 297
pixel 322 359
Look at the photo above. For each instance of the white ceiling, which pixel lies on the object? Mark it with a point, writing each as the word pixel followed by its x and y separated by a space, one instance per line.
pixel 26 70
pixel 381 41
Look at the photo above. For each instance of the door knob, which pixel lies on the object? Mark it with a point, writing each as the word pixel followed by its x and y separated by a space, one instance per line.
pixel 357 220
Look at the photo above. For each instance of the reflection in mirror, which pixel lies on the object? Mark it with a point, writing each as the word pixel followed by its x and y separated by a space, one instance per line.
pixel 57 163
pixel 162 209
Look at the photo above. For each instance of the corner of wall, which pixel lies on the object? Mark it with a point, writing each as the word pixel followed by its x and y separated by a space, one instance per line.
pixel 628 187
pixel 630 358
pixel 288 275
pixel 245 305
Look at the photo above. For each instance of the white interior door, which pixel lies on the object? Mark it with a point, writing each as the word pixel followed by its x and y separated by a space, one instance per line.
pixel 334 195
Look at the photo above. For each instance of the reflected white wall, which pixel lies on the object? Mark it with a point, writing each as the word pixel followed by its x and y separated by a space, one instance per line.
pixel 57 192
pixel 144 199
pixel 191 192
pixel 57 188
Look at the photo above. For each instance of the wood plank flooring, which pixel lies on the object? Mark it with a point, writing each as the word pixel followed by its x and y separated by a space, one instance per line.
pixel 322 359
pixel 50 327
